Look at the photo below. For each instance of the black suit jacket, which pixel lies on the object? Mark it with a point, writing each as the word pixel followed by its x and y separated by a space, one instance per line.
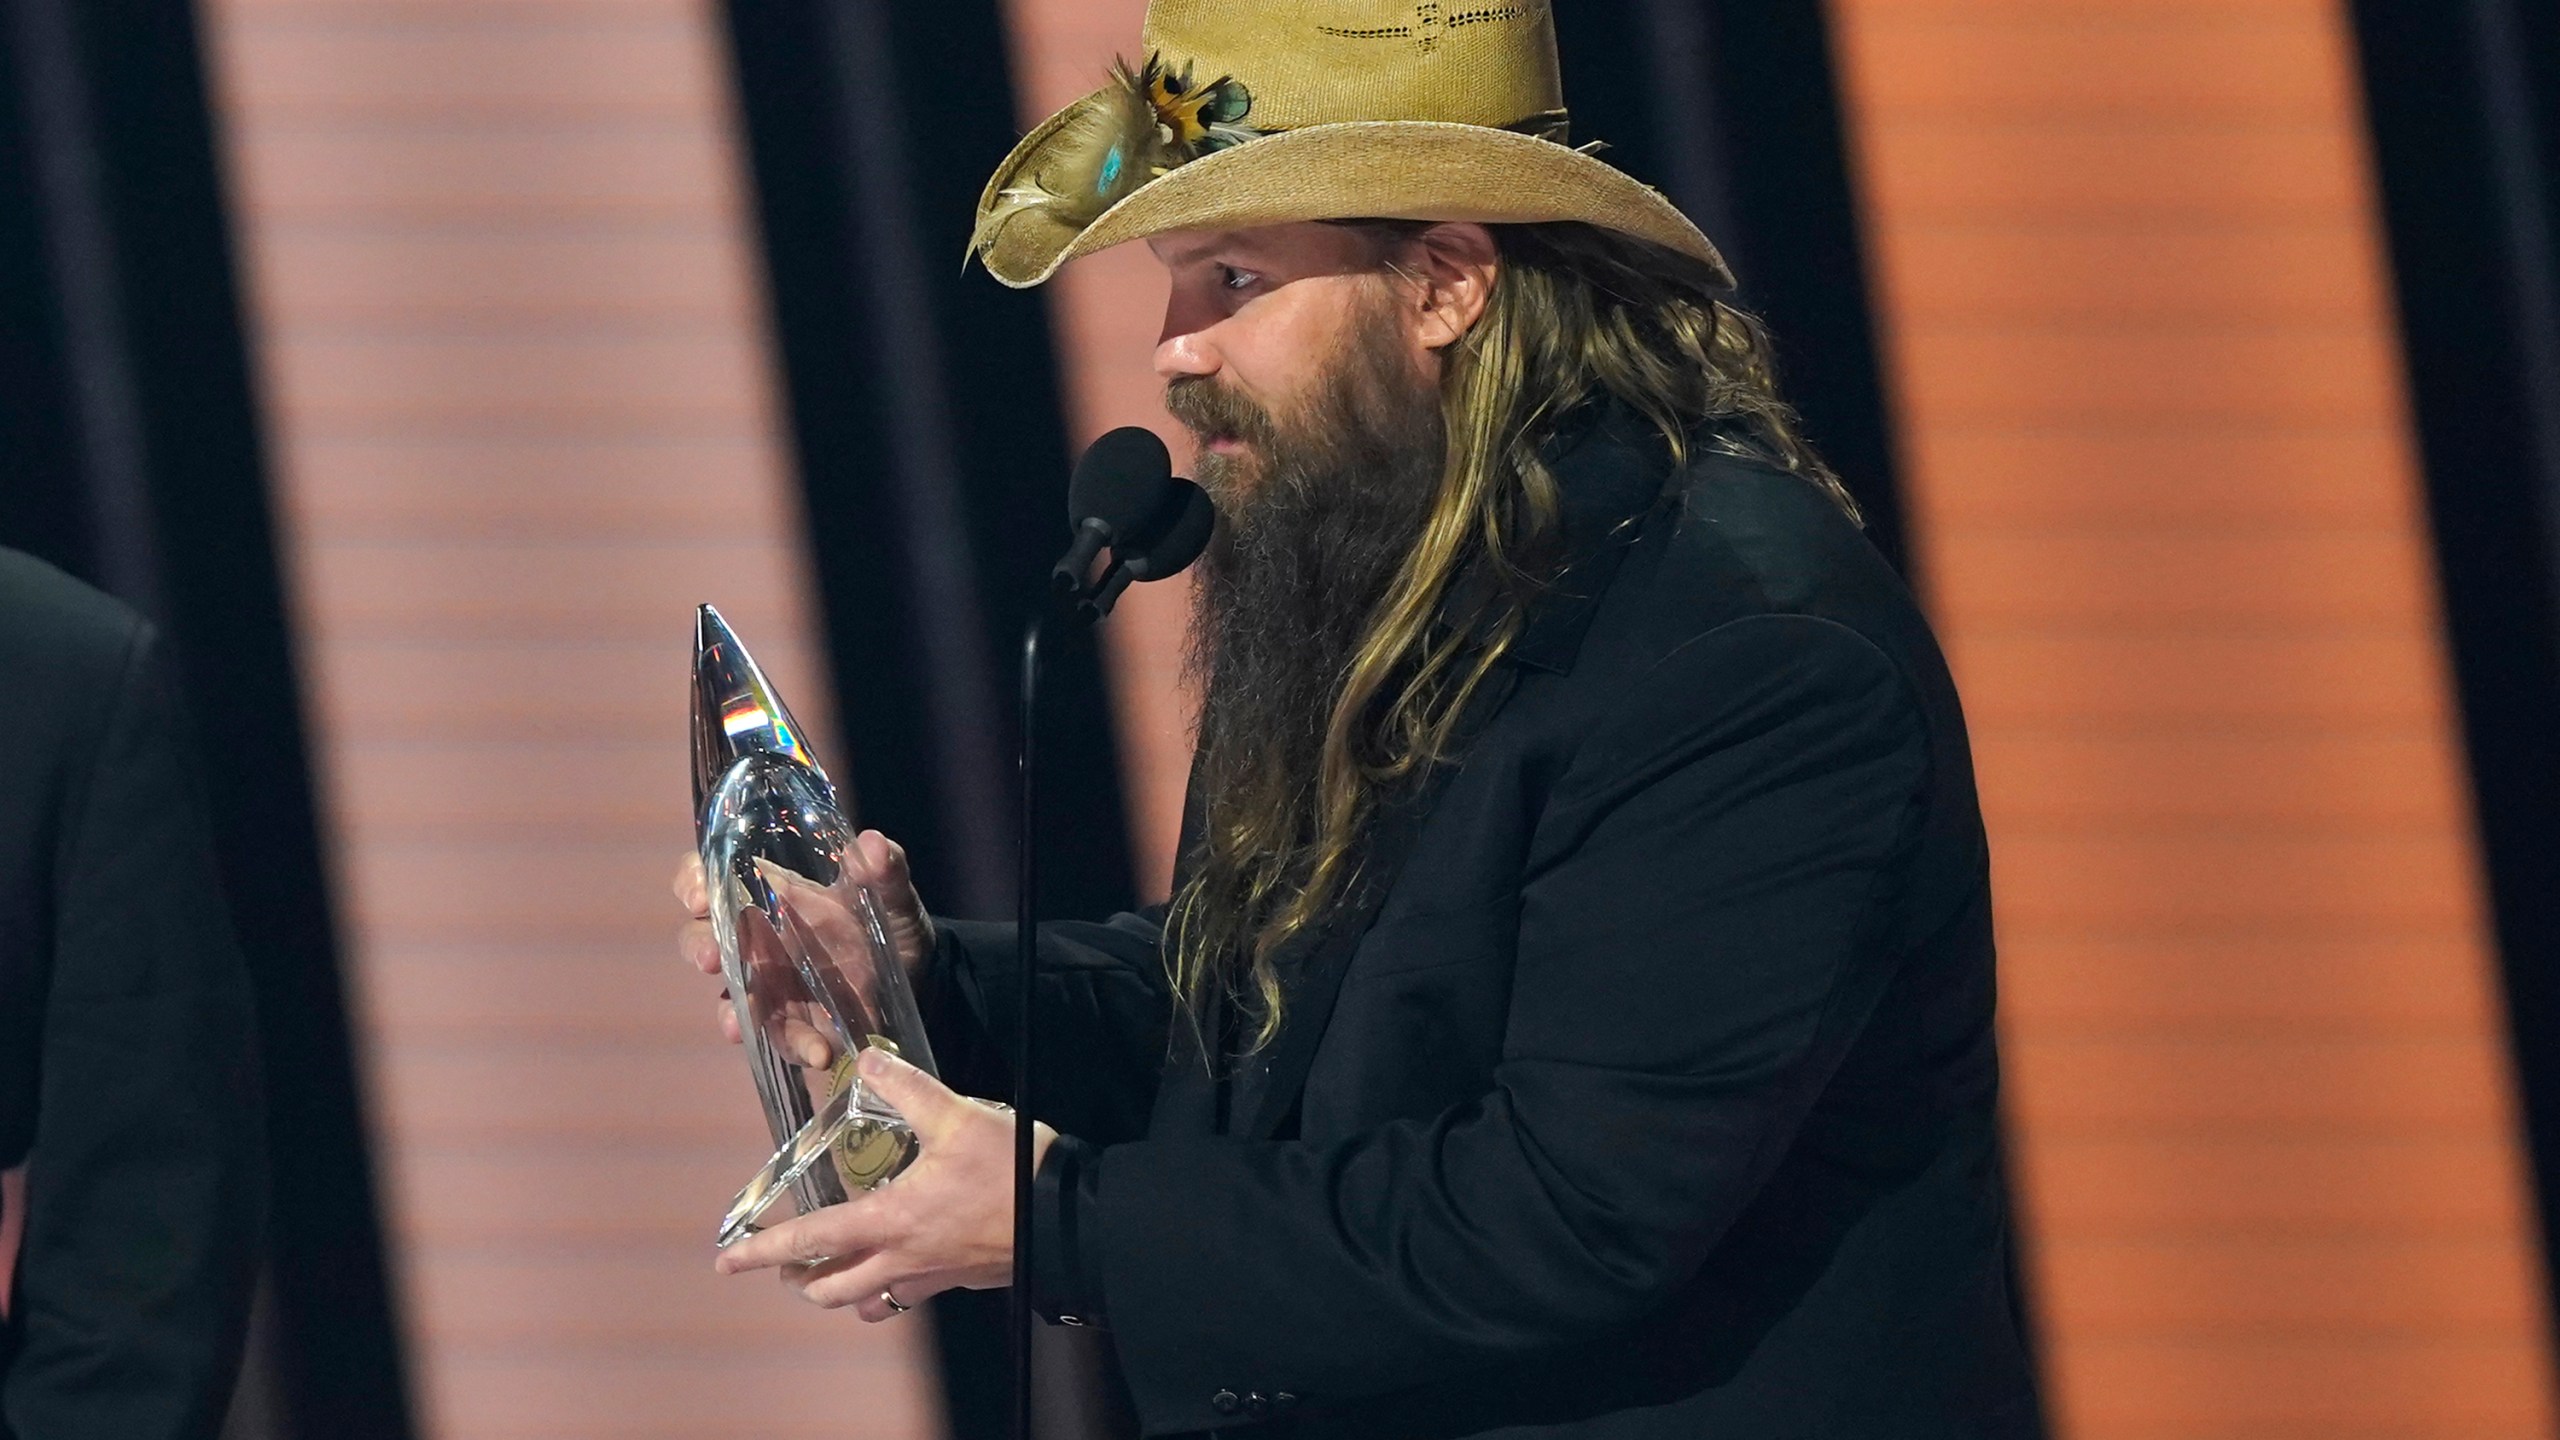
pixel 128 1082
pixel 1647 1090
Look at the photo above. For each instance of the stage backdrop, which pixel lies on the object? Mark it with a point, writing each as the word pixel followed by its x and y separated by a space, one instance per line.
pixel 2159 469
pixel 2159 488
pixel 506 308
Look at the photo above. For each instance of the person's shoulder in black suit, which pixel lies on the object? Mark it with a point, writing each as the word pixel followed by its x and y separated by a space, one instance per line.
pixel 1750 539
pixel 128 1080
pixel 56 631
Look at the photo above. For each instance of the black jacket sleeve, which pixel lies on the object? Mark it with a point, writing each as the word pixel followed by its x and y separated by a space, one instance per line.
pixel 1102 1016
pixel 1701 937
pixel 145 1190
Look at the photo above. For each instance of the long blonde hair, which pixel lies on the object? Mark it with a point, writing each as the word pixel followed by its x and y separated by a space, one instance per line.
pixel 1575 312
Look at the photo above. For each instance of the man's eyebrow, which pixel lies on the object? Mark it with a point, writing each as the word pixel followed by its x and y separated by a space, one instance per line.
pixel 1216 246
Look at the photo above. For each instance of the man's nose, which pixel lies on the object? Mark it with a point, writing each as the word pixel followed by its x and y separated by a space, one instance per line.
pixel 1184 348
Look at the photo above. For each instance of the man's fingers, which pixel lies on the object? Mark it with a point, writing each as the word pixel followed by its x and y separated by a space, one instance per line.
pixel 860 1287
pixel 879 865
pixel 927 1103
pixel 839 1230
pixel 691 892
pixel 836 1286
pixel 729 1021
pixel 818 909
pixel 884 861
pixel 696 943
pixel 806 1044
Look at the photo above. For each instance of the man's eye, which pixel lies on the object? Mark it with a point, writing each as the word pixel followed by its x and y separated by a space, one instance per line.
pixel 1234 279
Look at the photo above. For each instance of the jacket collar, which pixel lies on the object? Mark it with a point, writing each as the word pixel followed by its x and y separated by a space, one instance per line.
pixel 1610 464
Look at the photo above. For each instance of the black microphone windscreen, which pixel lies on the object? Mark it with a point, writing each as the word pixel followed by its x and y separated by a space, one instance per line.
pixel 1121 480
pixel 1182 541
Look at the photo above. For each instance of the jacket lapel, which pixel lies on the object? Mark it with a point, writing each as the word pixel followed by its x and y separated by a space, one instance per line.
pixel 1611 471
pixel 1312 975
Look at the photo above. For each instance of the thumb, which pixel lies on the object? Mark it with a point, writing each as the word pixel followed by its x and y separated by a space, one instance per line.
pixel 884 865
pixel 926 1102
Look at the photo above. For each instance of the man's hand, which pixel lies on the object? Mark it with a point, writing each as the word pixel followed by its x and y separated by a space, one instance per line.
pixel 875 862
pixel 946 1223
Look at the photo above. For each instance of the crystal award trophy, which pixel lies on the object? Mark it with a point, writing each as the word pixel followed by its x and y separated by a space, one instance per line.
pixel 810 966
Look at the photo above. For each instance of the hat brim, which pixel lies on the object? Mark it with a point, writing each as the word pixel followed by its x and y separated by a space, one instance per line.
pixel 1383 169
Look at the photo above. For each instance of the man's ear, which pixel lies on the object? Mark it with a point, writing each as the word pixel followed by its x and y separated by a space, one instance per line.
pixel 1455 265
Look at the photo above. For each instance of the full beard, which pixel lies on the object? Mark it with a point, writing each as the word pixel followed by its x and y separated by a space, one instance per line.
pixel 1318 515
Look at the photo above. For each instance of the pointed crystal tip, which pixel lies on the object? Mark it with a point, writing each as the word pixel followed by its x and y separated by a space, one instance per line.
pixel 736 711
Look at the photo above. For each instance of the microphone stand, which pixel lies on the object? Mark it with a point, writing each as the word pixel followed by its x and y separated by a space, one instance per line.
pixel 1026 970
pixel 1026 910
pixel 1081 602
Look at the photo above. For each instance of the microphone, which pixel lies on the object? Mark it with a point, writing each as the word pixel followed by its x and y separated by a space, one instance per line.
pixel 1168 554
pixel 1184 541
pixel 1120 488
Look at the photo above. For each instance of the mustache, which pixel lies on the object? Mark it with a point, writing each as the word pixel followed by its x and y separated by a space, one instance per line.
pixel 1210 410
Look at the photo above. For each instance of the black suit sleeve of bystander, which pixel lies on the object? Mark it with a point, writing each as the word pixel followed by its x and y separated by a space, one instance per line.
pixel 1702 935
pixel 145 1184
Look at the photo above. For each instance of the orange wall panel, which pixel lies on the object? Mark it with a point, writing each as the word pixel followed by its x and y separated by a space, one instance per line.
pixel 2160 475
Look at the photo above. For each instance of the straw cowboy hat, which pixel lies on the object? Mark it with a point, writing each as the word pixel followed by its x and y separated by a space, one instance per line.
pixel 1261 112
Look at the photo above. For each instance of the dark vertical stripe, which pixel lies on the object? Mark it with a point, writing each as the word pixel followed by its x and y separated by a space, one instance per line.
pixel 1694 165
pixel 44 507
pixel 927 426
pixel 80 245
pixel 1731 108
pixel 140 347
pixel 958 698
pixel 2464 103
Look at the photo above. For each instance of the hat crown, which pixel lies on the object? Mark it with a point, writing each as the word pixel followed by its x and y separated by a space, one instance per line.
pixel 1244 113
pixel 1323 62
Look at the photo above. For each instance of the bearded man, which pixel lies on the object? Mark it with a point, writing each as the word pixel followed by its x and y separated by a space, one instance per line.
pixel 1574 1013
